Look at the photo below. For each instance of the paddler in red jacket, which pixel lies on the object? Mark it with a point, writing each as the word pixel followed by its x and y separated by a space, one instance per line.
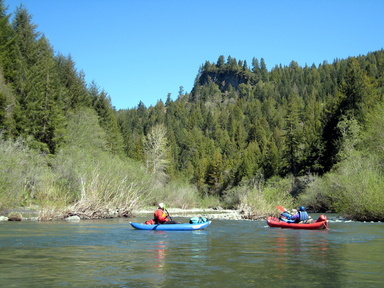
pixel 160 216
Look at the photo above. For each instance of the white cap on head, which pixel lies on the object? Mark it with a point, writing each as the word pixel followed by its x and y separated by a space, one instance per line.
pixel 161 205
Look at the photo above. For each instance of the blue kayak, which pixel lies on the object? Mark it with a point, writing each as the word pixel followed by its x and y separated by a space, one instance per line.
pixel 171 227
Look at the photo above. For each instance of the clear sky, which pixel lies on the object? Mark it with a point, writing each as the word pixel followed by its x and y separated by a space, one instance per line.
pixel 141 50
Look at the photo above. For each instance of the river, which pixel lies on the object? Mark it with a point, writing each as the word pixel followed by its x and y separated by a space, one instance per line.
pixel 109 253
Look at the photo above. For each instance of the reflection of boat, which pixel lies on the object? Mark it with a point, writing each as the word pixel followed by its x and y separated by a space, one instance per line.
pixel 320 223
pixel 171 227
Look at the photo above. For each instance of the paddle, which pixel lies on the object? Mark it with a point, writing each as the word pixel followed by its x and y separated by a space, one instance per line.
pixel 168 214
pixel 281 208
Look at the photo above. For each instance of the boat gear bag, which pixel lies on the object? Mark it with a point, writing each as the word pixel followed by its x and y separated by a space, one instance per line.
pixel 197 220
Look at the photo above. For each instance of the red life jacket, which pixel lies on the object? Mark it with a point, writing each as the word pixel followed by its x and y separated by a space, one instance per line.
pixel 160 216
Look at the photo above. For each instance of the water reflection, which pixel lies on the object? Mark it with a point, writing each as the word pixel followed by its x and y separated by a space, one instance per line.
pixel 301 255
pixel 228 254
pixel 160 250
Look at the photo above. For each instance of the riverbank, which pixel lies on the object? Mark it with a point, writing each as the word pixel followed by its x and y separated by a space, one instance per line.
pixel 209 213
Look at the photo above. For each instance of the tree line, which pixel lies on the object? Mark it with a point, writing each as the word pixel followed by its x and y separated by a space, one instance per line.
pixel 243 122
pixel 39 88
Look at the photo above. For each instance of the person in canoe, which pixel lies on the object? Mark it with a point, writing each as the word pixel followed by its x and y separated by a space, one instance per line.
pixel 301 216
pixel 161 216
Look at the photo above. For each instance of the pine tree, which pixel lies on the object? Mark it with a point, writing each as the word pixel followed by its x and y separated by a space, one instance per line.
pixel 214 176
pixel 5 36
pixel 75 93
pixel 107 118
pixel 220 61
pixel 293 136
pixel 263 70
pixel 36 86
pixel 47 115
pixel 23 53
pixel 358 91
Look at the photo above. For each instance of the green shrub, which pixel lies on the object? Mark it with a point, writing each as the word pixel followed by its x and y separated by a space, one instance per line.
pixel 23 174
pixel 354 189
pixel 176 193
pixel 357 188
pixel 209 201
pixel 262 202
pixel 317 196
pixel 91 180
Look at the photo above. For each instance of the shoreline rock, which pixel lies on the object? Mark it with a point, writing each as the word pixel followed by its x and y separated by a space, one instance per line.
pixel 3 219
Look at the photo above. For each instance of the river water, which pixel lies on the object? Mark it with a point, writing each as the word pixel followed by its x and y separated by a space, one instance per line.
pixel 109 253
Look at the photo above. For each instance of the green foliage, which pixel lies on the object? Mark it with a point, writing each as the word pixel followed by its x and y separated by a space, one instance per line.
pixel 354 187
pixel 7 104
pixel 107 118
pixel 260 199
pixel 23 174
pixel 35 97
pixel 177 193
pixel 317 196
pixel 354 190
pixel 373 136
pixel 91 180
pixel 5 32
pixel 237 125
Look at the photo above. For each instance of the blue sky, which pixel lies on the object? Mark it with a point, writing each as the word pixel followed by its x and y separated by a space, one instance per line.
pixel 141 50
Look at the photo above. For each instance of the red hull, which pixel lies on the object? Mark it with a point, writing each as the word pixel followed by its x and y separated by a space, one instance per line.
pixel 321 223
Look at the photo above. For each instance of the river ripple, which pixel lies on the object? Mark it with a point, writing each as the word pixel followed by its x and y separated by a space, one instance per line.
pixel 109 253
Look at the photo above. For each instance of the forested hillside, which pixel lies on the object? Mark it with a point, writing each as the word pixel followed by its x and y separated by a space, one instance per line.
pixel 240 122
pixel 60 142
pixel 246 136
pixel 38 88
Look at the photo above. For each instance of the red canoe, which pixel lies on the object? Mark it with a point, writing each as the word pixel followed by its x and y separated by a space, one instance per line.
pixel 320 223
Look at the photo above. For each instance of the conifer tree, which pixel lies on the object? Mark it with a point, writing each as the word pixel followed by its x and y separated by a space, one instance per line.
pixel 7 104
pixel 263 70
pixel 44 111
pixel 75 93
pixel 293 136
pixel 107 118
pixel 5 36
pixel 156 114
pixel 214 172
pixel 358 91
pixel 220 61
pixel 23 53
pixel 36 86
